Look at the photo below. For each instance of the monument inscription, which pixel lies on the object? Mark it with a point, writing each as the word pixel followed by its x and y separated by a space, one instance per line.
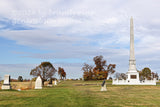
pixel 133 76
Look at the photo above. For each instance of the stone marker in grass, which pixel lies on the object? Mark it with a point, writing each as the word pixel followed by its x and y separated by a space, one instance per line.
pixel 103 88
pixel 50 83
pixel 55 82
pixel 59 80
pixel 6 85
pixel 38 83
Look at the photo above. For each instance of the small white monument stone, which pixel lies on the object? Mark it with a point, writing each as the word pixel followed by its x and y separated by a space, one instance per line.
pixel 103 88
pixel 38 83
pixel 6 84
pixel 55 82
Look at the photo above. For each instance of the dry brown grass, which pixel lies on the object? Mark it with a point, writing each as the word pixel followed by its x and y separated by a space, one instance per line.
pixel 23 85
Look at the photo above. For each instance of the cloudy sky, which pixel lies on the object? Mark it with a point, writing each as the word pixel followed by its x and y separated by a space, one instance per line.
pixel 70 32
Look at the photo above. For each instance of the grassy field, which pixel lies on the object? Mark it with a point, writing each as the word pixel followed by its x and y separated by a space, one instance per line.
pixel 82 94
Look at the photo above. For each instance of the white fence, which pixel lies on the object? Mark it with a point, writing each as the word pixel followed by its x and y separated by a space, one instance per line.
pixel 133 82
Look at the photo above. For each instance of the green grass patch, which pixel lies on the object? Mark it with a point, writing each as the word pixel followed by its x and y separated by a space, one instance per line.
pixel 82 94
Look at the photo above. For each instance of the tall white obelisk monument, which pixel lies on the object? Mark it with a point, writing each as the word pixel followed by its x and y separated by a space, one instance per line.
pixel 132 61
pixel 133 75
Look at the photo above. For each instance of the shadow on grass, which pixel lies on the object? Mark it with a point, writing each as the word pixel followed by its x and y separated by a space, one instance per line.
pixel 8 90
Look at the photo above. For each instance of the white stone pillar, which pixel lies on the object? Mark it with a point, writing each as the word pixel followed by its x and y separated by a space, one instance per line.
pixel 132 61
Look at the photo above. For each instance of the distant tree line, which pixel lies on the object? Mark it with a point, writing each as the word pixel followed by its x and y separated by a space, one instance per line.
pixel 98 72
pixel 16 80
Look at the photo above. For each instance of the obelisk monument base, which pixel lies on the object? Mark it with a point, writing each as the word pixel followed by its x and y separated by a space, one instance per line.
pixel 133 77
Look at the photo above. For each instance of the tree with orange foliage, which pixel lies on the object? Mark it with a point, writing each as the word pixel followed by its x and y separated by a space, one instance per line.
pixel 99 62
pixel 100 71
pixel 102 67
pixel 61 72
pixel 87 71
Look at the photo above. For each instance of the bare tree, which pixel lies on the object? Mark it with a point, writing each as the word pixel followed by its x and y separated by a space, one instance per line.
pixel 111 69
pixel 87 67
pixel 45 70
pixel 120 75
pixel 87 71
pixel 117 75
pixel 123 76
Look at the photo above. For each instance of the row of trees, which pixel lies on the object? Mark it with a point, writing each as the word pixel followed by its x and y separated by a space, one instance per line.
pixel 46 71
pixel 100 71
pixel 19 79
pixel 143 74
